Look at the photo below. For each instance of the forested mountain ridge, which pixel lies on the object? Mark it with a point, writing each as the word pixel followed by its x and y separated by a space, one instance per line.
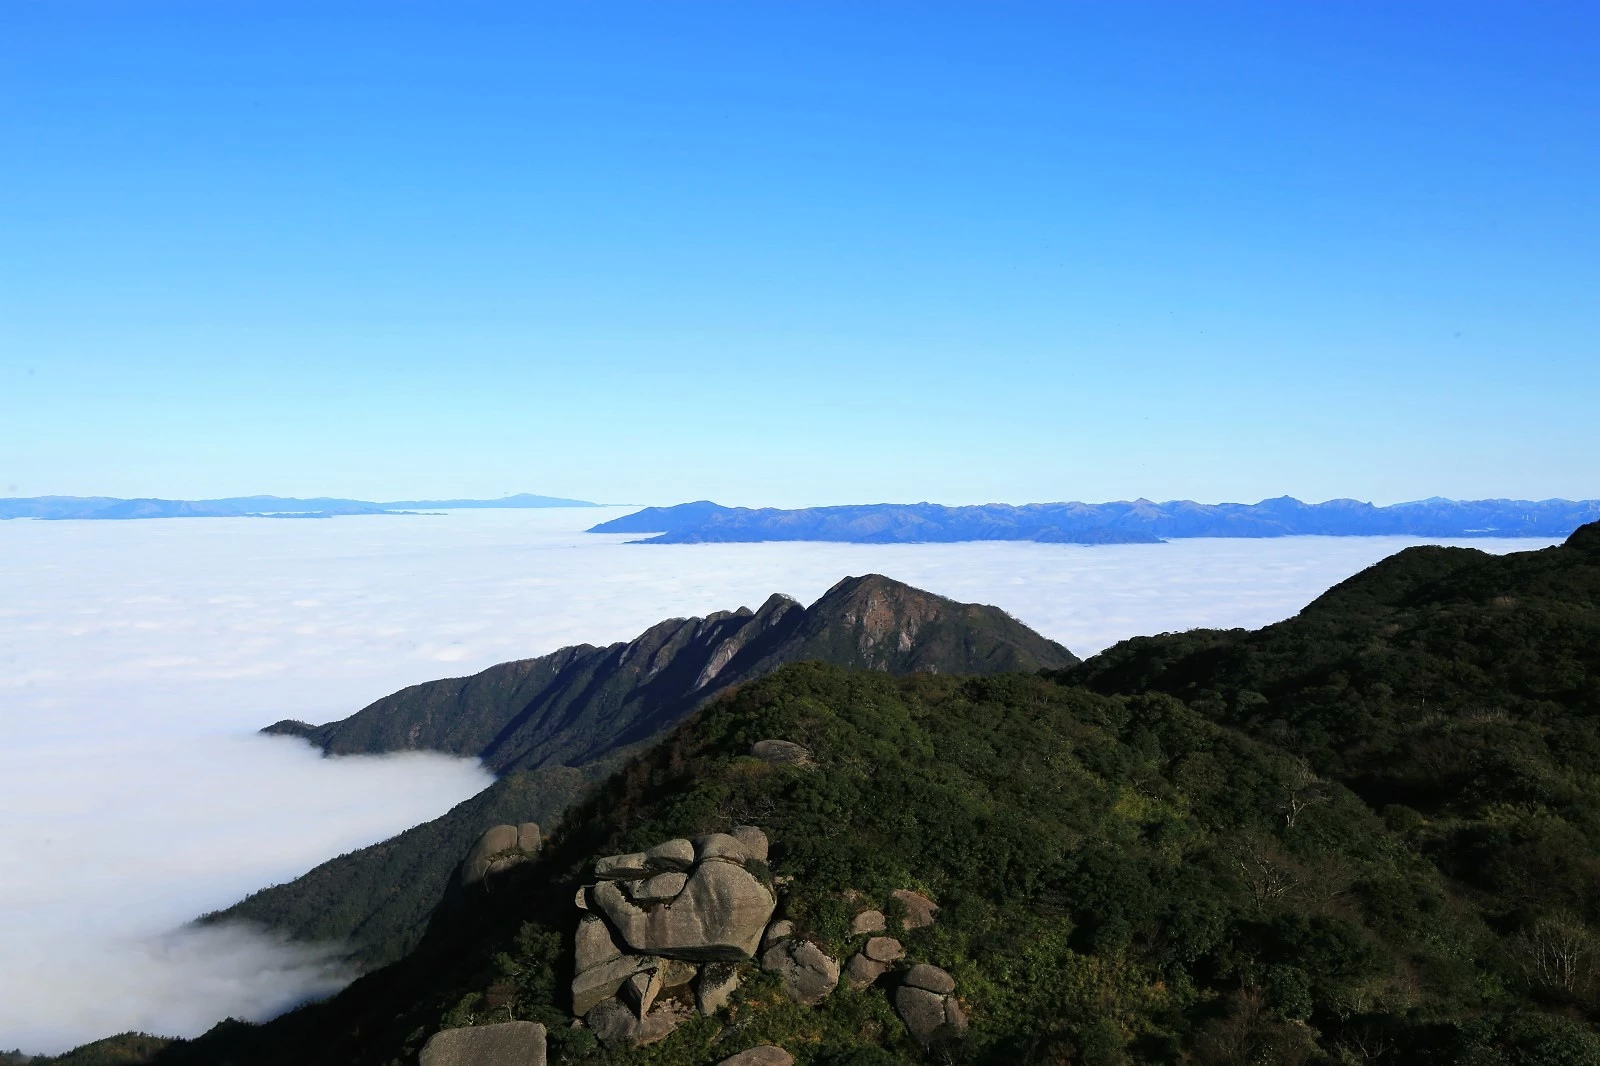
pixel 554 725
pixel 1122 522
pixel 581 703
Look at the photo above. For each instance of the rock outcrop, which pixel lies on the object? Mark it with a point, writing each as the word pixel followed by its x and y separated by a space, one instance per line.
pixel 782 752
pixel 927 1004
pixel 920 911
pixel 506 1044
pixel 765 1055
pixel 873 961
pixel 500 848
pixel 753 839
pixel 679 914
pixel 808 973
pixel 718 914
pixel 868 922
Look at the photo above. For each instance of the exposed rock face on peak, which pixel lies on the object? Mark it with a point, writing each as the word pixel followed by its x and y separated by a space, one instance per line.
pixel 582 703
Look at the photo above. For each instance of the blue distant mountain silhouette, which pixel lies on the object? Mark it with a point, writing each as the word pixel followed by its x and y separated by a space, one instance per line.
pixel 1123 522
pixel 80 507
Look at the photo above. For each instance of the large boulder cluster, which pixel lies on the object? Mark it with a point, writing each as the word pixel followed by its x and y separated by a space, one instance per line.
pixel 925 995
pixel 662 922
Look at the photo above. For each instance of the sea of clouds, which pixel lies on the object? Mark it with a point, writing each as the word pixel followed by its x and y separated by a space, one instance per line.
pixel 137 659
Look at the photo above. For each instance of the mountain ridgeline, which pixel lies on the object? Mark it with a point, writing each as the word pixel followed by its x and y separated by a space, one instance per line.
pixel 1124 522
pixel 583 703
pixel 552 727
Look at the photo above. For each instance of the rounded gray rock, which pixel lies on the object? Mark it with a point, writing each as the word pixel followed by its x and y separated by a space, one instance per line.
pixel 785 752
pixel 868 922
pixel 808 974
pixel 506 1044
pixel 884 949
pixel 602 981
pixel 493 841
pixel 529 837
pixel 673 855
pixel 611 1021
pixel 765 1055
pixel 721 846
pixel 921 911
pixel 921 1010
pixel 780 930
pixel 753 839
pixel 592 944
pixel 931 978
pixel 863 971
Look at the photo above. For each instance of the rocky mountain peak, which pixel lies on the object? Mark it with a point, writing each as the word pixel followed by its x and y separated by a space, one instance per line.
pixel 882 611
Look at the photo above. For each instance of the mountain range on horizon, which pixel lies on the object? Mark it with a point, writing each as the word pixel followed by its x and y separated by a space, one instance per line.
pixel 110 507
pixel 1138 521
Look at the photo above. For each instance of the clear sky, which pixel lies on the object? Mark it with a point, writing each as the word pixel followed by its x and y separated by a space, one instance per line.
pixel 800 253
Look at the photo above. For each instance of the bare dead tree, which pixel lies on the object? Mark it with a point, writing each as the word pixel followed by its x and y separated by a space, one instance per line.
pixel 1558 954
pixel 1303 789
pixel 1265 877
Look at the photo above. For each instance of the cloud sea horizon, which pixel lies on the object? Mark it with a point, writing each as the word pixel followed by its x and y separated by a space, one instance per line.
pixel 138 658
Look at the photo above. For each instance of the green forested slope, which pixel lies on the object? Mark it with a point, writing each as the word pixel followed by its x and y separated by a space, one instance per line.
pixel 1459 694
pixel 1123 880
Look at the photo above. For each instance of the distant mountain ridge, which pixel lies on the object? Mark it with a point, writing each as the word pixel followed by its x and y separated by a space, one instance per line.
pixel 1124 522
pixel 109 507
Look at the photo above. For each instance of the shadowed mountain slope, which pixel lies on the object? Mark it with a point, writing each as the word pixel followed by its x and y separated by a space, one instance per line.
pixel 581 703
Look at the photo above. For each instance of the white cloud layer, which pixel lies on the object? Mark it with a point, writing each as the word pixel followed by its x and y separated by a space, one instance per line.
pixel 137 657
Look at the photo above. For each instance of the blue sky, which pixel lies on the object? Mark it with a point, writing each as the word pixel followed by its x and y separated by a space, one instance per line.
pixel 800 253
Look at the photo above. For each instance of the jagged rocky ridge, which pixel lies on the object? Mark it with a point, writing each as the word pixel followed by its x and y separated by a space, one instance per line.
pixel 582 702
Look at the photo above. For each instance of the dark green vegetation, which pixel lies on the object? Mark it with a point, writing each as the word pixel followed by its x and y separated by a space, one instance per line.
pixel 556 724
pixel 125 1049
pixel 1363 836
